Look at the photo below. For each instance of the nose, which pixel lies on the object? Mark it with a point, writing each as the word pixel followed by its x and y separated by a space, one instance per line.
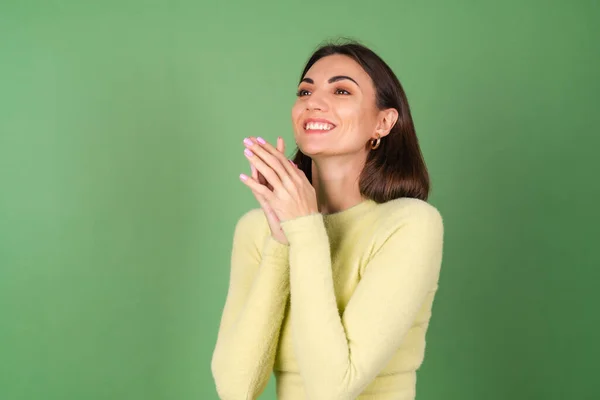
pixel 316 101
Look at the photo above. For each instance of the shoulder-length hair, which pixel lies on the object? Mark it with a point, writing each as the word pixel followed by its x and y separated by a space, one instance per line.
pixel 397 168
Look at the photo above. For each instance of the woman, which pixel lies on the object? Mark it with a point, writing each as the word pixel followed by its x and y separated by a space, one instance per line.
pixel 345 234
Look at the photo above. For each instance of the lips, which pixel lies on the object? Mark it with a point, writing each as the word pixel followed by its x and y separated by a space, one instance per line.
pixel 318 125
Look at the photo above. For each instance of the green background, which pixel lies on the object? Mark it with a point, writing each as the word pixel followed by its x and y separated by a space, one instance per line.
pixel 121 127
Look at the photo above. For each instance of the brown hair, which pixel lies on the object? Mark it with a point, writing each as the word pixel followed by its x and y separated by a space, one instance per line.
pixel 397 168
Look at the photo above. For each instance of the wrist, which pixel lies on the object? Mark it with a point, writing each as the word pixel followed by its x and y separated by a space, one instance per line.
pixel 308 227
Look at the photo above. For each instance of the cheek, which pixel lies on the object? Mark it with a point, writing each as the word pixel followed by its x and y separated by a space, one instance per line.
pixel 296 112
pixel 352 115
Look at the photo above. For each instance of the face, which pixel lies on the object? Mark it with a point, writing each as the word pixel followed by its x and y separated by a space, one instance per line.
pixel 336 112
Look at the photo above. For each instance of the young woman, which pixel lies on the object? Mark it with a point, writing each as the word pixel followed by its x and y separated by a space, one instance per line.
pixel 333 278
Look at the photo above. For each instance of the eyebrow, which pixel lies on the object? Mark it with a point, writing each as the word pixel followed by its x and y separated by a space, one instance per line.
pixel 332 79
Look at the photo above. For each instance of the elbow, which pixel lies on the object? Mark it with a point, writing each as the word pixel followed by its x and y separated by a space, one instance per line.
pixel 231 383
pixel 345 385
pixel 229 388
pixel 223 378
pixel 226 384
pixel 331 393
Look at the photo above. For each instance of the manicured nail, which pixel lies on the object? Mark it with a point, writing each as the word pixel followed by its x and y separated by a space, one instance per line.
pixel 261 140
pixel 243 177
pixel 248 142
pixel 248 153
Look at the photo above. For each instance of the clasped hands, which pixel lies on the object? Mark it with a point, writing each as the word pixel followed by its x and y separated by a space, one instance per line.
pixel 289 193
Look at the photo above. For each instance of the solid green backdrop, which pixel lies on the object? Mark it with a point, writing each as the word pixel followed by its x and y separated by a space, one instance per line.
pixel 121 127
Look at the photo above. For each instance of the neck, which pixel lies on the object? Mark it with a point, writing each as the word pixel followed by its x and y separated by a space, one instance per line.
pixel 336 183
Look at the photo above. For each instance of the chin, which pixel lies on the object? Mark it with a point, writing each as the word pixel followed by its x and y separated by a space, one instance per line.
pixel 311 147
pixel 315 150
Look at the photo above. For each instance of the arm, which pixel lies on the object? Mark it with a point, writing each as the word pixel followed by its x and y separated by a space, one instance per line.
pixel 243 358
pixel 339 356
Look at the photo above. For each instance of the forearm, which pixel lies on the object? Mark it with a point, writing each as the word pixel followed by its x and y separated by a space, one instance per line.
pixel 245 350
pixel 318 333
pixel 339 355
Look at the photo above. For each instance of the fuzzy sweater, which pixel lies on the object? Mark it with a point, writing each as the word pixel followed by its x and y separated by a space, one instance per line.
pixel 339 313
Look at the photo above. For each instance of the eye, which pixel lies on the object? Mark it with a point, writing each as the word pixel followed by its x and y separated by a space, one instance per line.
pixel 342 92
pixel 302 93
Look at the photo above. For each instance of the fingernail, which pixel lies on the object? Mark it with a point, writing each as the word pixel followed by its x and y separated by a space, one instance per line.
pixel 243 177
pixel 248 153
pixel 261 140
pixel 247 142
pixel 293 163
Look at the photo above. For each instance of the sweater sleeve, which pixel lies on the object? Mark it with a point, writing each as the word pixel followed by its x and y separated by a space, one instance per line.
pixel 338 356
pixel 258 292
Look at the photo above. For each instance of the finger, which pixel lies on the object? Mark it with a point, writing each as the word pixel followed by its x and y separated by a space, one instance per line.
pixel 254 144
pixel 282 146
pixel 253 141
pixel 274 158
pixel 296 168
pixel 265 169
pixel 255 174
pixel 282 157
pixel 264 204
pixel 258 189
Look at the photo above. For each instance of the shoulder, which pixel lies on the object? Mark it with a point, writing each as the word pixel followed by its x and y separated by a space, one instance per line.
pixel 413 209
pixel 410 213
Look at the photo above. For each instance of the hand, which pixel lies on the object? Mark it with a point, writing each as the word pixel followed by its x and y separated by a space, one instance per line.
pixel 257 175
pixel 273 221
pixel 292 195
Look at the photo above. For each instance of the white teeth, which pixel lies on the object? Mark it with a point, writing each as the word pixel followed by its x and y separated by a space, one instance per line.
pixel 318 126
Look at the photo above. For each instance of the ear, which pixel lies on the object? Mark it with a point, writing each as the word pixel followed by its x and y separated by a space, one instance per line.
pixel 387 120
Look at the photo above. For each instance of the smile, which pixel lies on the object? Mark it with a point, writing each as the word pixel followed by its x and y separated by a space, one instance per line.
pixel 318 126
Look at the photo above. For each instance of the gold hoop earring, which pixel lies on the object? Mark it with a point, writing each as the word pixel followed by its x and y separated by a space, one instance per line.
pixel 375 142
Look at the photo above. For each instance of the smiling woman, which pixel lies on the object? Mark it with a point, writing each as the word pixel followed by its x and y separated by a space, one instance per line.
pixel 333 277
pixel 363 91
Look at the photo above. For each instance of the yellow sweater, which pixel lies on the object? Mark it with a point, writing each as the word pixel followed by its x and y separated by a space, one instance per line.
pixel 340 313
